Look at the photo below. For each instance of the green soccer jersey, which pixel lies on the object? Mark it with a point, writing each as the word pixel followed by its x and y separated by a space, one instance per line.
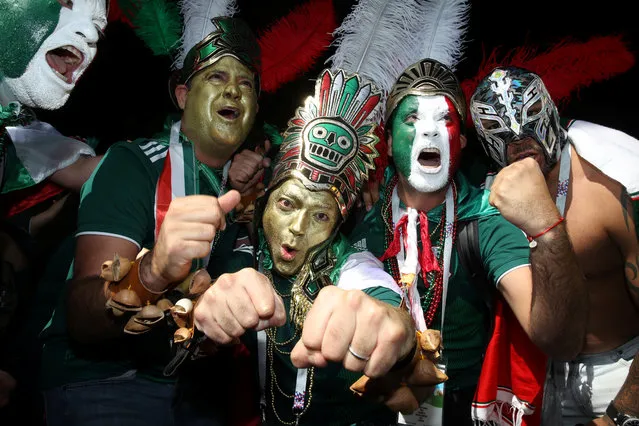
pixel 503 247
pixel 118 200
pixel 328 400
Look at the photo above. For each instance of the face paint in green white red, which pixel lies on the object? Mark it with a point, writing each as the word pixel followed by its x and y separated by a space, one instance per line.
pixel 49 66
pixel 426 145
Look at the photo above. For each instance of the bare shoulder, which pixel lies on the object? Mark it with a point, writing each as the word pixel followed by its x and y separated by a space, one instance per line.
pixel 588 174
pixel 605 198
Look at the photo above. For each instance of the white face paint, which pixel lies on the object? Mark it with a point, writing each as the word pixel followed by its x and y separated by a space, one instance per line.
pixel 431 138
pixel 62 58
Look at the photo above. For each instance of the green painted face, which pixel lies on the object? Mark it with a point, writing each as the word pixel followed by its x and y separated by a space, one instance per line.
pixel 403 133
pixel 329 144
pixel 25 25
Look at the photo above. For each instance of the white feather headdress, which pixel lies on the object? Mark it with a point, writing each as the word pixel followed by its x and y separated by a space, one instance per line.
pixel 445 24
pixel 197 22
pixel 379 39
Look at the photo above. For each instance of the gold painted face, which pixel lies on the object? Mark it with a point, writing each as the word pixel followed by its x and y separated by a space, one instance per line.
pixel 296 220
pixel 220 107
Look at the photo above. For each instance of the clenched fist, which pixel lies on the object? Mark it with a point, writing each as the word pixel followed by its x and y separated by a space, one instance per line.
pixel 238 302
pixel 352 328
pixel 521 195
pixel 247 168
pixel 188 229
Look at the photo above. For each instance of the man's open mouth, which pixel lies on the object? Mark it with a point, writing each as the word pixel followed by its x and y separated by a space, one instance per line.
pixel 229 113
pixel 429 158
pixel 288 252
pixel 64 61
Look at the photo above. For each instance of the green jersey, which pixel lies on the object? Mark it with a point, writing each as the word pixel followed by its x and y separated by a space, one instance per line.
pixel 503 247
pixel 118 200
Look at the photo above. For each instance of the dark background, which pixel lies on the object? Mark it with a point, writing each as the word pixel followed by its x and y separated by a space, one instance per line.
pixel 124 93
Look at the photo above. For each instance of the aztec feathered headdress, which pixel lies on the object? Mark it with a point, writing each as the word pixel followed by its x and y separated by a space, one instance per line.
pixel 330 144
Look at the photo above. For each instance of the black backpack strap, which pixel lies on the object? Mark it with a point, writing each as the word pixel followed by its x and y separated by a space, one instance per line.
pixel 470 258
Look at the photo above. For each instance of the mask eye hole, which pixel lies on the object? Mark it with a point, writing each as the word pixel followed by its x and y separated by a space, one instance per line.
pixel 66 3
pixel 535 108
pixel 488 124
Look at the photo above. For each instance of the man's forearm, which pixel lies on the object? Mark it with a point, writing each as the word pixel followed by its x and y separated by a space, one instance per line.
pixel 151 280
pixel 87 317
pixel 559 312
pixel 627 400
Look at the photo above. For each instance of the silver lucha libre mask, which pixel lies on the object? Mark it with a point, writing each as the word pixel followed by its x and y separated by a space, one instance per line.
pixel 512 104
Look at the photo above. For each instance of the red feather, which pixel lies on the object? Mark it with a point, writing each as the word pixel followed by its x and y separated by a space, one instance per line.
pixel 293 44
pixel 119 13
pixel 567 67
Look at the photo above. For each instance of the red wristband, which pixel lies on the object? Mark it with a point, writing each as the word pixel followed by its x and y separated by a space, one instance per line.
pixel 532 239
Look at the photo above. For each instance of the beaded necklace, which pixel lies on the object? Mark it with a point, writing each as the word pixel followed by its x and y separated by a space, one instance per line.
pixel 433 280
pixel 267 339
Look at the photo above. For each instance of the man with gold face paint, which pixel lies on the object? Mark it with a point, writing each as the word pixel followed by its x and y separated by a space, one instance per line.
pixel 170 195
pixel 413 228
pixel 323 312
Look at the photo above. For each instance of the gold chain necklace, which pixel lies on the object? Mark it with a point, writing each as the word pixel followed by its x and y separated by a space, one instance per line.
pixel 271 333
pixel 272 344
pixel 269 275
pixel 274 383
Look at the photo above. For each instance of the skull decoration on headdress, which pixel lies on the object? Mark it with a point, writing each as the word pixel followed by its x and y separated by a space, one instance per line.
pixel 329 144
pixel 511 104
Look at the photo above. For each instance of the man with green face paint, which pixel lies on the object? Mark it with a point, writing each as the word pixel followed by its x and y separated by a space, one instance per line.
pixel 413 228
pixel 52 44
pixel 170 195
pixel 46 47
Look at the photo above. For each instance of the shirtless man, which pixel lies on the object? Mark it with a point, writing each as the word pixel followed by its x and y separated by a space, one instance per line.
pixel 516 120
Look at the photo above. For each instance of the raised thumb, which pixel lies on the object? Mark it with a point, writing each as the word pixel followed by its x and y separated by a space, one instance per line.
pixel 229 200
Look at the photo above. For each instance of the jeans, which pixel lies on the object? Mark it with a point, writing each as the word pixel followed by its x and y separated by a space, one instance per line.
pixel 126 400
pixel 585 386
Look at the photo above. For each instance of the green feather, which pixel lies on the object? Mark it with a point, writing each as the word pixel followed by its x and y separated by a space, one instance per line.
pixel 158 23
pixel 273 134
